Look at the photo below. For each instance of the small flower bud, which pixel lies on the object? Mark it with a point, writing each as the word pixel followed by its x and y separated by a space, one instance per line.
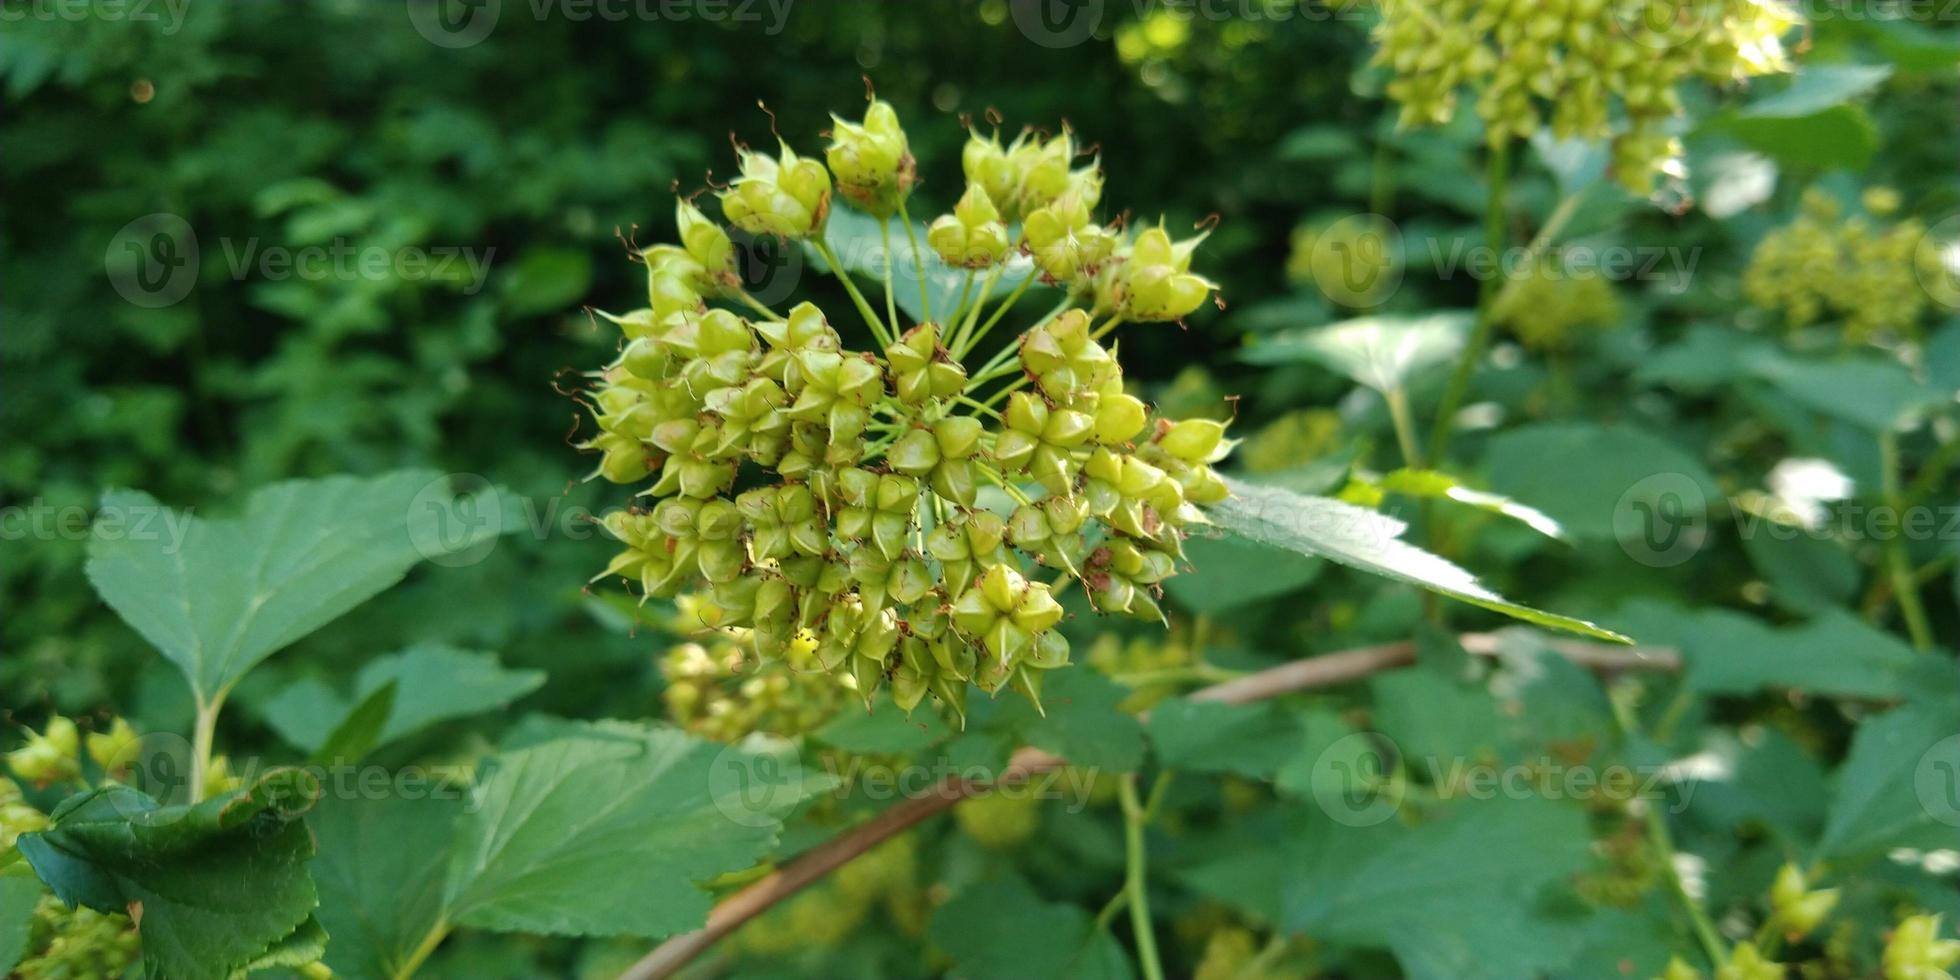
pixel 788 197
pixel 873 166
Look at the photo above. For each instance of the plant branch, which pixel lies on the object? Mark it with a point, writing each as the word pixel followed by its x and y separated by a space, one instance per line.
pixel 918 262
pixel 1325 670
pixel 1904 589
pixel 864 309
pixel 1135 865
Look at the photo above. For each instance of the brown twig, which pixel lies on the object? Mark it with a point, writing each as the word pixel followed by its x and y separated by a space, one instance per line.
pixel 1325 670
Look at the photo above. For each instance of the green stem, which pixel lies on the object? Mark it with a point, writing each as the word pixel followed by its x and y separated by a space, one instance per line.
pixel 755 304
pixel 885 235
pixel 1108 325
pixel 958 341
pixel 959 308
pixel 918 261
pixel 864 309
pixel 422 952
pixel 202 737
pixel 1135 864
pixel 1663 842
pixel 1904 589
pixel 972 341
pixel 1405 427
pixel 1480 334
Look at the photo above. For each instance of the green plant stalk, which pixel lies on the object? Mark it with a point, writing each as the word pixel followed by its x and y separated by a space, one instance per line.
pixel 864 309
pixel 437 934
pixel 1662 841
pixel 1904 589
pixel 202 737
pixel 971 314
pixel 918 261
pixel 971 341
pixel 755 304
pixel 885 236
pixel 955 317
pixel 1405 427
pixel 1135 865
pixel 1001 364
pixel 1497 174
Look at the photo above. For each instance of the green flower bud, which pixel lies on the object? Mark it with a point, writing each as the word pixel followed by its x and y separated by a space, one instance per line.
pixel 873 167
pixel 986 167
pixel 973 236
pixel 1915 950
pixel 51 755
pixel 1748 963
pixel 706 243
pixel 788 197
pixel 1157 283
pixel 921 369
pixel 114 751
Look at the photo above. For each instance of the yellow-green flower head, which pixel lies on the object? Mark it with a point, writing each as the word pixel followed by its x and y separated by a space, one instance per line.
pixel 706 243
pixel 1566 63
pixel 870 160
pixel 1064 242
pixel 1156 281
pixel 51 755
pixel 1547 305
pixel 787 197
pixel 1863 271
pixel 1915 951
pixel 985 164
pixel 973 236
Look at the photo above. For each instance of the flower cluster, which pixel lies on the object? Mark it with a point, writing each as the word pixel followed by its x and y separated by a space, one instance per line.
pixel 886 513
pixel 1547 305
pixel 1855 267
pixel 1914 950
pixel 718 691
pixel 1572 60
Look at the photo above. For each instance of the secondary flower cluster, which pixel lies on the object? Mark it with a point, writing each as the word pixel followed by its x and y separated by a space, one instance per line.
pixel 1856 268
pixel 1572 59
pixel 1547 304
pixel 885 513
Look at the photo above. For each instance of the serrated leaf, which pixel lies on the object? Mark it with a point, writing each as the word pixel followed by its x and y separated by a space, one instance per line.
pixel 1251 740
pixel 18 896
pixel 216 596
pixel 1453 898
pixel 1082 722
pixel 1442 486
pixel 1835 654
pixel 1899 786
pixel 1371 542
pixel 305 945
pixel 883 728
pixel 434 683
pixel 1585 476
pixel 1230 572
pixel 1002 929
pixel 381 872
pixel 212 886
pixel 1381 352
pixel 606 830
pixel 360 730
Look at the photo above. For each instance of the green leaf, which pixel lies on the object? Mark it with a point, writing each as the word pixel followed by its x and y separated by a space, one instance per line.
pixel 381 872
pixel 1453 897
pixel 1836 654
pixel 605 830
pixel 1002 929
pixel 1811 122
pixel 1590 478
pixel 1371 542
pixel 547 280
pixel 19 894
pixel 1899 786
pixel 1082 723
pixel 883 729
pixel 434 683
pixel 1230 572
pixel 1806 572
pixel 213 886
pixel 855 238
pixel 1877 394
pixel 215 597
pixel 1381 352
pixel 304 946
pixel 360 730
pixel 1442 486
pixel 1209 736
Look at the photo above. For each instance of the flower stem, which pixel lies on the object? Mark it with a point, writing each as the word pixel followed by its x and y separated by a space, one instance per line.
pixel 1662 842
pixel 918 261
pixel 1905 589
pixel 973 340
pixel 1405 427
pixel 885 235
pixel 1473 352
pixel 957 342
pixel 864 309
pixel 202 737
pixel 1135 816
pixel 436 935
pixel 755 304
